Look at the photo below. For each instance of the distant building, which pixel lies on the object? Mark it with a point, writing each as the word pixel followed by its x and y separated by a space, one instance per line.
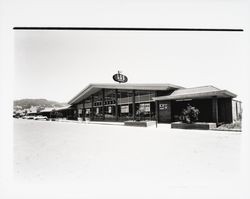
pixel 60 112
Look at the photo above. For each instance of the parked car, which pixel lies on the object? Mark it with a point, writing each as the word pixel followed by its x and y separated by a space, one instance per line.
pixel 29 117
pixel 16 116
pixel 41 117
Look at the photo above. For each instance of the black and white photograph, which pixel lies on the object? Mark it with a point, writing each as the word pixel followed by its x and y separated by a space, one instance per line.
pixel 152 103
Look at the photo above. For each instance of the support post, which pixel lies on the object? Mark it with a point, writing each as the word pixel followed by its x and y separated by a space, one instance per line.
pixel 92 108
pixel 156 113
pixel 133 104
pixel 77 112
pixel 103 107
pixel 116 104
pixel 215 110
pixel 236 110
pixel 83 110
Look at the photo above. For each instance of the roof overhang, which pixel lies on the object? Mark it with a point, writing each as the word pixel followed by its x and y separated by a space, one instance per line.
pixel 48 110
pixel 93 88
pixel 218 94
pixel 64 108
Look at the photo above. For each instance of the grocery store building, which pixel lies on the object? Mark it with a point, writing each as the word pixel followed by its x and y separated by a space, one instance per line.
pixel 161 102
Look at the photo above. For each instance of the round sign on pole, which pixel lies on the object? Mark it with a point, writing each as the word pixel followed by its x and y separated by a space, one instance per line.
pixel 120 78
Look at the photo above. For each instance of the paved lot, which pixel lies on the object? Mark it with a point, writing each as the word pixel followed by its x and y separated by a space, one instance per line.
pixel 90 153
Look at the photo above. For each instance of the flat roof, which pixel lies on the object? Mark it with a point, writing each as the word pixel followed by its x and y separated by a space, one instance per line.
pixel 93 88
pixel 56 109
pixel 47 110
pixel 197 92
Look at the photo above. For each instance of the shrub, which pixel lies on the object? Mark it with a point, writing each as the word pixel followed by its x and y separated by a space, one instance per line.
pixel 189 114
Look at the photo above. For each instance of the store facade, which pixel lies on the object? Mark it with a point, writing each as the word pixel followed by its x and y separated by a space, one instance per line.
pixel 160 102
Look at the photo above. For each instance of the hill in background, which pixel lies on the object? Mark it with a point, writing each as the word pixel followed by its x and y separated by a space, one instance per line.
pixel 41 103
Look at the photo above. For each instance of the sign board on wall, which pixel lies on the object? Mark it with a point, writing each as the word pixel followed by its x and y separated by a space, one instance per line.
pixel 125 109
pixel 145 107
pixel 163 106
pixel 110 109
pixel 79 111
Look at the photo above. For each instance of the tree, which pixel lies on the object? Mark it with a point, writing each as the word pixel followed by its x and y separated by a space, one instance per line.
pixel 39 109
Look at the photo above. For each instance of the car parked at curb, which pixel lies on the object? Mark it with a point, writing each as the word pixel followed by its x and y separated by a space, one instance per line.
pixel 41 117
pixel 29 117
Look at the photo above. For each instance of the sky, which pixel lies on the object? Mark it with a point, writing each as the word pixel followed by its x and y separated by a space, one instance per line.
pixel 57 65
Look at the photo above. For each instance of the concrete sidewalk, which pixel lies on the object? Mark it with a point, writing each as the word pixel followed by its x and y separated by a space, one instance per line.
pixel 93 122
pixel 166 126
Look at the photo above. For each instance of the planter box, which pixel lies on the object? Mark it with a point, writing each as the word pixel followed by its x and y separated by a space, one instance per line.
pixel 196 125
pixel 139 123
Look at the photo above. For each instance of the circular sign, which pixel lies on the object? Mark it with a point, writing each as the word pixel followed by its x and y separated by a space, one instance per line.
pixel 120 78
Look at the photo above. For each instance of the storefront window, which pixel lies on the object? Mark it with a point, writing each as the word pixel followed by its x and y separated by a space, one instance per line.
pixel 145 107
pixel 125 100
pixel 79 110
pixel 109 104
pixel 87 103
pixel 97 106
pixel 87 112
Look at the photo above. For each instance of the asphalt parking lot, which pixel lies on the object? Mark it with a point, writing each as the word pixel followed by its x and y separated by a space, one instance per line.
pixel 46 151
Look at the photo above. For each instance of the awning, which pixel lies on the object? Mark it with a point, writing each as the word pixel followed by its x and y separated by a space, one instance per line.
pixel 197 93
